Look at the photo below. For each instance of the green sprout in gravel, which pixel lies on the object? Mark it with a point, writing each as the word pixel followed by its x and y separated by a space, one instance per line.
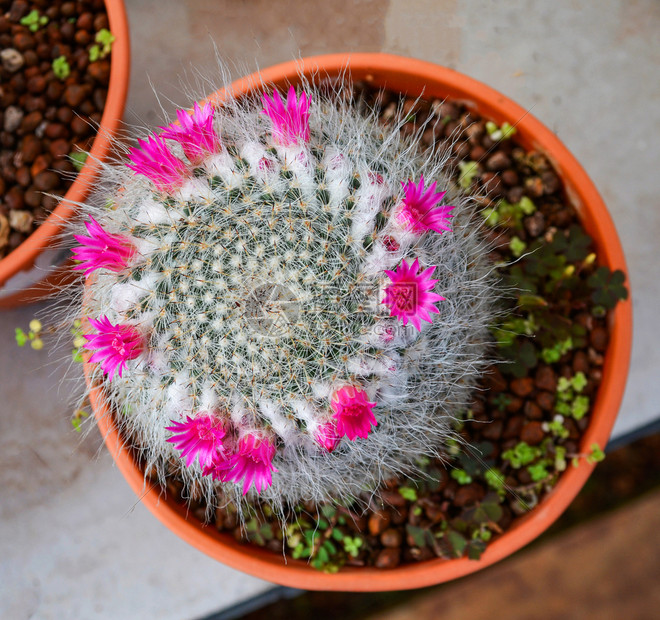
pixel 61 68
pixel 569 401
pixel 104 40
pixel 34 21
pixel 596 454
pixel 408 493
pixel 352 545
pixel 469 170
pixel 553 354
pixel 521 454
pixel 78 159
pixel 517 246
pixel 504 132
pixel 509 214
pixel 495 480
pixel 461 476
pixel 556 427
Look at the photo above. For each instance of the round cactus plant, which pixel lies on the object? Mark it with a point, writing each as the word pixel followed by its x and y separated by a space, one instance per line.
pixel 286 301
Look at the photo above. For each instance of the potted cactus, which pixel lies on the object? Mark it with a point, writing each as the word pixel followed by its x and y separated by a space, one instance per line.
pixel 288 303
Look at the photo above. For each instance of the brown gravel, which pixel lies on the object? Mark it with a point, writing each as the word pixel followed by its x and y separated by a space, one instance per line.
pixel 42 118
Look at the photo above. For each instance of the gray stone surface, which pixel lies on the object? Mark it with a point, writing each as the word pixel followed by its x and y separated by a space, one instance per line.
pixel 73 541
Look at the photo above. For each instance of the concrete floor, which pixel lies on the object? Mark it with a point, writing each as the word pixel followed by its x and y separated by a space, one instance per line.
pixel 73 542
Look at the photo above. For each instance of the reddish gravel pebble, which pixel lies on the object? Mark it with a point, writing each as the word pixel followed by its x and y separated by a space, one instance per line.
pixel 493 430
pixel 468 494
pixel 391 538
pixel 14 198
pixel 510 177
pixel 545 379
pixel 378 522
pixel 46 181
pixel 75 94
pixel 534 224
pixel 534 187
pixel 494 380
pixel 532 433
pixel 581 362
pixel 598 339
pixel 522 387
pixel 546 400
pixel 513 427
pixel 515 404
pixel 388 558
pixel 393 498
pixel 551 182
pixel 532 410
pixel 498 161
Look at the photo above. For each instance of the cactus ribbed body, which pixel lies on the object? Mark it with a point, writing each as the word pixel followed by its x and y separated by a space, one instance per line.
pixel 257 286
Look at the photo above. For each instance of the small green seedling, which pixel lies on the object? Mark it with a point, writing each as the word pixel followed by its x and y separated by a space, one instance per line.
pixel 34 21
pixel 77 419
pixel 78 341
pixel 78 159
pixel 596 455
pixel 61 68
pixel 517 246
pixel 569 401
pixel 32 336
pixel 352 545
pixel 607 287
pixel 408 493
pixel 539 471
pixel 504 132
pixel 104 40
pixel 468 169
pixel 461 476
pixel 553 354
pixel 556 427
pixel 522 454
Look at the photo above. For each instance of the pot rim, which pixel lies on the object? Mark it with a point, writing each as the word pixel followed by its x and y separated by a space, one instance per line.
pixel 403 74
pixel 24 255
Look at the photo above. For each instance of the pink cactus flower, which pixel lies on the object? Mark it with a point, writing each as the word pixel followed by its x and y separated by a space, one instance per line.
pixel 101 249
pixel 199 437
pixel 376 178
pixel 353 412
pixel 391 244
pixel 409 297
pixel 195 133
pixel 221 465
pixel 114 345
pixel 266 164
pixel 291 119
pixel 252 463
pixel 419 210
pixel 327 436
pixel 155 161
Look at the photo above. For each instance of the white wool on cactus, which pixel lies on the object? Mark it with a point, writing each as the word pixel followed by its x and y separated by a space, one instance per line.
pixel 289 298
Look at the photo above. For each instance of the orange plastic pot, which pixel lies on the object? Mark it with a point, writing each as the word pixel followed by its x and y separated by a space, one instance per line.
pixel 18 287
pixel 413 76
